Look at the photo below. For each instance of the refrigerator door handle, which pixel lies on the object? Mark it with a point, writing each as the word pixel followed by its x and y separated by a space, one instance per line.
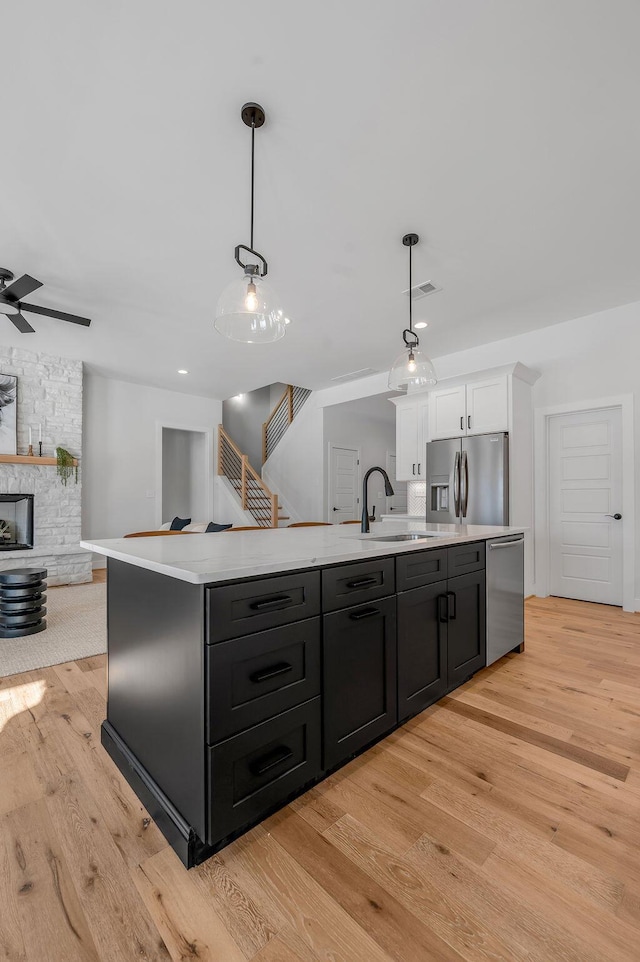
pixel 456 484
pixel 464 471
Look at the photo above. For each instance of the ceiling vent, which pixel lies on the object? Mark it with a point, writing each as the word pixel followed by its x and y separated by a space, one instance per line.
pixel 354 375
pixel 421 290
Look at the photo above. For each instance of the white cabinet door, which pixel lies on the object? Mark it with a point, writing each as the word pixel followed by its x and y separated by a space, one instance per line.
pixel 406 441
pixel 447 413
pixel 422 437
pixel 487 406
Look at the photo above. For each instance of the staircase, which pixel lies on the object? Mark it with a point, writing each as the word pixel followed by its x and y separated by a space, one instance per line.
pixel 255 496
pixel 281 417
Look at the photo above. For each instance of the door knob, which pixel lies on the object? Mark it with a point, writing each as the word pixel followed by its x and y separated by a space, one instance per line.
pixel 616 516
pixel 335 509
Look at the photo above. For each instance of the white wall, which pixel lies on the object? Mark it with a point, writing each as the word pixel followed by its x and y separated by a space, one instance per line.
pixel 122 460
pixel 243 417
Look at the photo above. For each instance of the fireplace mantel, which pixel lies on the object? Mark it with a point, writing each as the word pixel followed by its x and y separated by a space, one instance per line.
pixel 29 459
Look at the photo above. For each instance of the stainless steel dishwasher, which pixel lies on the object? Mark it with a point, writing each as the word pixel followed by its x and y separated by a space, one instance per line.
pixel 505 595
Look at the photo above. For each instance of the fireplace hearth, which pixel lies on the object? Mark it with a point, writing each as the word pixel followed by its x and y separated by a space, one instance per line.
pixel 16 522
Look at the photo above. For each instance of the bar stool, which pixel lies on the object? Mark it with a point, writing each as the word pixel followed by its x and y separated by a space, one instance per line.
pixel 22 597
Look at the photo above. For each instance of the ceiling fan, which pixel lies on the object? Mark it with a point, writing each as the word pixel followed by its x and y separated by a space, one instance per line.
pixel 12 305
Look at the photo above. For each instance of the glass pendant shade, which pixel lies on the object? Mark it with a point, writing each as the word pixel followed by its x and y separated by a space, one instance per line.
pixel 411 371
pixel 249 310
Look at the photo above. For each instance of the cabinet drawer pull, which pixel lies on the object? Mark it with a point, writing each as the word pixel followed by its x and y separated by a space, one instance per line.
pixel 270 602
pixel 272 672
pixel 269 761
pixel 442 609
pixel 451 605
pixel 367 613
pixel 362 583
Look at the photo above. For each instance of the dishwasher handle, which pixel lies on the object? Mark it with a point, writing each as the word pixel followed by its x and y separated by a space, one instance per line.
pixel 505 544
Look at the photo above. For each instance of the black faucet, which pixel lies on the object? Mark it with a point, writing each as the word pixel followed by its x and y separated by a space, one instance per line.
pixel 388 490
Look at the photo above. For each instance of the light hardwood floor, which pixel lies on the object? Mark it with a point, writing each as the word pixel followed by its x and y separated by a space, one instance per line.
pixel 501 824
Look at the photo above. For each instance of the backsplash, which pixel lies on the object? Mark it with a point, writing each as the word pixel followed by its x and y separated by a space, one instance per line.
pixel 417 498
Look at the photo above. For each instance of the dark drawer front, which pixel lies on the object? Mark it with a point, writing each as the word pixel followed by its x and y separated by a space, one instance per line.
pixel 357 584
pixel 464 558
pixel 258 676
pixel 421 568
pixel 241 609
pixel 259 769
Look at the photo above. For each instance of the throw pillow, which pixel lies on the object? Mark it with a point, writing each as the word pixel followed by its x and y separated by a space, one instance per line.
pixel 212 526
pixel 179 523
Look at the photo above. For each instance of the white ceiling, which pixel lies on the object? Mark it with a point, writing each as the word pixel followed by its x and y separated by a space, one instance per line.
pixel 504 132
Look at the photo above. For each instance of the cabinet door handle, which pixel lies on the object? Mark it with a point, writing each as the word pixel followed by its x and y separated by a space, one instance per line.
pixel 451 606
pixel 270 602
pixel 461 422
pixel 442 609
pixel 468 421
pixel 414 468
pixel 362 583
pixel 367 613
pixel 269 761
pixel 418 467
pixel 272 672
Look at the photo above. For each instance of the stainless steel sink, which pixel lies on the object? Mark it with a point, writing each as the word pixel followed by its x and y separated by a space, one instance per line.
pixel 412 536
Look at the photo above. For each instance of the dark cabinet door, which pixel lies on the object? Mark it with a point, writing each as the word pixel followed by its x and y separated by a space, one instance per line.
pixel 466 629
pixel 422 647
pixel 359 678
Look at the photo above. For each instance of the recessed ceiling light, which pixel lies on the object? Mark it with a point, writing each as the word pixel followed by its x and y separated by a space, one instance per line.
pixel 420 324
pixel 181 370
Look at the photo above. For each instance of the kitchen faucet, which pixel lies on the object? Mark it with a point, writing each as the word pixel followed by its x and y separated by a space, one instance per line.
pixel 388 490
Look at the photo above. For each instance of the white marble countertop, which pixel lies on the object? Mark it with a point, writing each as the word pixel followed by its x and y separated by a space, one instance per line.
pixel 227 556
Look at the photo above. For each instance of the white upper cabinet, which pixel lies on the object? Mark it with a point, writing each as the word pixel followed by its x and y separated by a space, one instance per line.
pixel 412 426
pixel 478 407
pixel 487 406
pixel 447 412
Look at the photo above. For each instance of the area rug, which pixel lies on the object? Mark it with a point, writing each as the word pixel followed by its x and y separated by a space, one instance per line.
pixel 76 628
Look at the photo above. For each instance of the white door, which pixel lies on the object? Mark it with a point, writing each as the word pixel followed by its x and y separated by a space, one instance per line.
pixel 447 413
pixel 487 406
pixel 344 484
pixel 585 490
pixel 407 441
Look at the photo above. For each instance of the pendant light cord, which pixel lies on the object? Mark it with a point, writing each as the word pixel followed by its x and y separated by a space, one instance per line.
pixel 253 141
pixel 410 293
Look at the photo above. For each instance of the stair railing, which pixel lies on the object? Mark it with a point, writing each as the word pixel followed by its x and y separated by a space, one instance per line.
pixel 281 417
pixel 251 489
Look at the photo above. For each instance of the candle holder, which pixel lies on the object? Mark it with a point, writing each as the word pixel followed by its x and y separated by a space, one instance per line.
pixel 39 449
pixel 30 451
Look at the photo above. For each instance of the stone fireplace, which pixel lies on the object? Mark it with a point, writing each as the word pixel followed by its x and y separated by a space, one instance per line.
pixel 49 394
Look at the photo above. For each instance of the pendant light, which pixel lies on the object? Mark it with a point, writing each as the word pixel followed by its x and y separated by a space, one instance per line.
pixel 413 369
pixel 248 309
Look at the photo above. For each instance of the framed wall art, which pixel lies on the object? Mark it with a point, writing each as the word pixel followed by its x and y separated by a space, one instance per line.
pixel 8 414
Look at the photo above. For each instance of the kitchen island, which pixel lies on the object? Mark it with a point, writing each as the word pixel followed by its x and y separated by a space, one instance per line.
pixel 244 667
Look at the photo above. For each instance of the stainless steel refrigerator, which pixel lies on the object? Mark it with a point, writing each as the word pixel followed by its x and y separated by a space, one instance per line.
pixel 468 480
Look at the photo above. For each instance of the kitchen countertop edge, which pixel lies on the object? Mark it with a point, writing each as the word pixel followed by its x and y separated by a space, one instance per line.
pixel 299 549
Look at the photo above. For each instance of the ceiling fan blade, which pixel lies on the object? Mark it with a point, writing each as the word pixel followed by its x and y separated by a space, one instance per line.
pixel 21 323
pixel 60 315
pixel 24 286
